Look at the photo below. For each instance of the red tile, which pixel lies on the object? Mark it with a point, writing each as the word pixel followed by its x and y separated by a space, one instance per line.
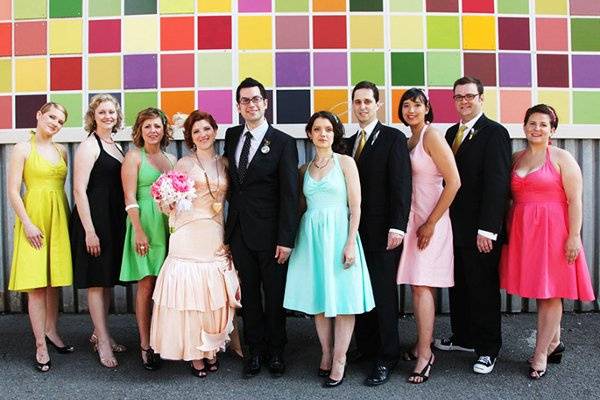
pixel 6 39
pixel 442 6
pixel 513 33
pixel 481 66
pixel 176 70
pixel 443 106
pixel 177 33
pixel 553 70
pixel 30 38
pixel 478 6
pixel 214 32
pixel 65 73
pixel 329 32
pixel 105 36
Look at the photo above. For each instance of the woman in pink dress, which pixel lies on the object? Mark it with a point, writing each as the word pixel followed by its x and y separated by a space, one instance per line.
pixel 544 256
pixel 427 259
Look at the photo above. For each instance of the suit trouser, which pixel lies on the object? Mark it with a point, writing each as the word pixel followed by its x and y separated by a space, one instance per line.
pixel 475 300
pixel 376 331
pixel 264 326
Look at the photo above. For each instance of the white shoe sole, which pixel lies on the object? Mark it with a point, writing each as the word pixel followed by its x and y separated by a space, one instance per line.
pixel 438 345
pixel 482 369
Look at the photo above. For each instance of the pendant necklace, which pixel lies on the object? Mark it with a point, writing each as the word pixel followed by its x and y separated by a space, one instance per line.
pixel 217 206
pixel 323 164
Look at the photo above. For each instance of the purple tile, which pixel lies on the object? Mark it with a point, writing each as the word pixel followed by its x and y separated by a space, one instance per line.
pixel 515 69
pixel 292 69
pixel 331 69
pixel 216 102
pixel 254 6
pixel 140 71
pixel 585 71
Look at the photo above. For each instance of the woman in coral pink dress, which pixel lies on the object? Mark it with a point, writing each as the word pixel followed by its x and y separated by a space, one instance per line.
pixel 197 289
pixel 544 257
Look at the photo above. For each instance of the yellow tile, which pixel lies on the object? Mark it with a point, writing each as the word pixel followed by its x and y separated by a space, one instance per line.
pixel 177 7
pixel 254 32
pixel 31 75
pixel 479 32
pixel 559 99
pixel 406 32
pixel 490 104
pixel 332 100
pixel 220 6
pixel 5 75
pixel 554 7
pixel 366 32
pixel 104 73
pixel 258 66
pixel 140 34
pixel 65 36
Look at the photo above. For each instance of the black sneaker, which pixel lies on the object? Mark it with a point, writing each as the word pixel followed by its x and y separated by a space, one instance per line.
pixel 484 364
pixel 447 345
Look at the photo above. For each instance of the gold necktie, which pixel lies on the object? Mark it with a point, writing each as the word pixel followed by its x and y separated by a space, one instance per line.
pixel 361 144
pixel 459 138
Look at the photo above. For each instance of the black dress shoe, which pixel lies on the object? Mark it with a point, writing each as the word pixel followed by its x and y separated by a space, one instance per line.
pixel 251 366
pixel 380 374
pixel 276 366
pixel 330 383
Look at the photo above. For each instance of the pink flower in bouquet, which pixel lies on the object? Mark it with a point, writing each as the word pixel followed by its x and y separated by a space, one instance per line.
pixel 173 191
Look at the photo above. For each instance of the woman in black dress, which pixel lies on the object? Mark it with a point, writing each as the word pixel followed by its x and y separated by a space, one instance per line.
pixel 98 219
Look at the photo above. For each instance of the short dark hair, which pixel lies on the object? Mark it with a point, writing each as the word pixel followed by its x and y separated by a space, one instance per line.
pixel 542 109
pixel 248 83
pixel 146 114
pixel 366 85
pixel 194 117
pixel 415 94
pixel 465 80
pixel 338 146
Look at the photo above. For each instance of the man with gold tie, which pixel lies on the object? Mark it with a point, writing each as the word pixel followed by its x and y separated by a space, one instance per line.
pixel 483 156
pixel 383 164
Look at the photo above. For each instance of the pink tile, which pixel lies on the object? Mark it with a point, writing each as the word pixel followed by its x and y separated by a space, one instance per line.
pixel 254 5
pixel 30 38
pixel 291 32
pixel 551 34
pixel 513 104
pixel 216 102
pixel 585 7
pixel 6 113
pixel 5 10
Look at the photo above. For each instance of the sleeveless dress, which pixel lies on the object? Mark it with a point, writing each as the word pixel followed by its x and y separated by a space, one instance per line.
pixel 434 265
pixel 107 209
pixel 47 207
pixel 196 291
pixel 156 227
pixel 533 263
pixel 317 281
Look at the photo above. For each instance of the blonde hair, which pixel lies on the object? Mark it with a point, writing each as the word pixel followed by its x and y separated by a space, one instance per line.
pixel 90 120
pixel 47 106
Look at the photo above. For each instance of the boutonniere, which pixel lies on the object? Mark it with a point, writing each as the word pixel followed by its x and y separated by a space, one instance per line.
pixel 265 147
pixel 472 134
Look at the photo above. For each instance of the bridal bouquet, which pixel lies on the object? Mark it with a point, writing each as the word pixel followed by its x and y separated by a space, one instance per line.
pixel 173 190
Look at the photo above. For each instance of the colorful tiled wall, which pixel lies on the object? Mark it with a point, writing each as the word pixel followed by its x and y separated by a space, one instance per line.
pixel 186 54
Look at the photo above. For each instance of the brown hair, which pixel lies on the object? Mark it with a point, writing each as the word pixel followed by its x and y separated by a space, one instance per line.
pixel 143 116
pixel 194 117
pixel 47 106
pixel 542 109
pixel 338 145
pixel 465 80
pixel 90 121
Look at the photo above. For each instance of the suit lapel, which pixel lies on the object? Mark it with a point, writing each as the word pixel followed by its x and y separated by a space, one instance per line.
pixel 467 141
pixel 235 139
pixel 369 145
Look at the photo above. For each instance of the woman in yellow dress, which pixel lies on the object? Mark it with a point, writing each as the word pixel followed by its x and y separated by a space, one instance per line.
pixel 41 254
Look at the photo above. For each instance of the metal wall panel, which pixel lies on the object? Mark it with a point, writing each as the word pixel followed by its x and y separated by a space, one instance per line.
pixel 585 151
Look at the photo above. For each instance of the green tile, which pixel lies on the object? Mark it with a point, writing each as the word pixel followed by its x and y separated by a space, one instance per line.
pixel 291 5
pixel 406 5
pixel 72 102
pixel 104 8
pixel 65 8
pixel 214 69
pixel 408 69
pixel 585 34
pixel 443 32
pixel 5 75
pixel 30 9
pixel 136 101
pixel 443 68
pixel 138 7
pixel 585 107
pixel 367 67
pixel 513 6
pixel 366 5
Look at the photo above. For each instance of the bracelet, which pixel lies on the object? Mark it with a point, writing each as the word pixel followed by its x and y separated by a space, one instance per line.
pixel 129 207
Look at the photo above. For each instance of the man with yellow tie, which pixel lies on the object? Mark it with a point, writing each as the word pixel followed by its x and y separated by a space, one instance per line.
pixel 483 156
pixel 383 164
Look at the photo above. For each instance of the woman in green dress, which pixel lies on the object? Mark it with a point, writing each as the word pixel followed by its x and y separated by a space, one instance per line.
pixel 147 232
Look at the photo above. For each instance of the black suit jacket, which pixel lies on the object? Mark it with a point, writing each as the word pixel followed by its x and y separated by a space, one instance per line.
pixel 483 162
pixel 385 182
pixel 265 204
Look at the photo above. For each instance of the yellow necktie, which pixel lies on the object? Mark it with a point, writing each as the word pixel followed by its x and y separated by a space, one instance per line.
pixel 459 138
pixel 361 144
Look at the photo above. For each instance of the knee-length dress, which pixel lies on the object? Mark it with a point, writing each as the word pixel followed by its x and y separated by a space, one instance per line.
pixel 533 262
pixel 156 227
pixel 197 290
pixel 47 206
pixel 107 209
pixel 434 265
pixel 317 281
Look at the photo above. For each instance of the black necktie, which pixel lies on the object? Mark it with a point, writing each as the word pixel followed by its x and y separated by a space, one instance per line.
pixel 243 163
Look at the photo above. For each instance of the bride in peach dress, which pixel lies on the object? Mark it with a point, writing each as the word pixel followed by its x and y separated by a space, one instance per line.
pixel 197 289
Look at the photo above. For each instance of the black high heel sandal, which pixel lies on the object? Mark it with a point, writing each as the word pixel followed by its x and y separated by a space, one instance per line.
pixel 199 373
pixel 152 362
pixel 66 349
pixel 42 367
pixel 212 366
pixel 540 373
pixel 324 372
pixel 424 374
pixel 556 356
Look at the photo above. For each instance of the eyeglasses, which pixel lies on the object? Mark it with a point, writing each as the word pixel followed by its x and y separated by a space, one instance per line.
pixel 469 97
pixel 245 100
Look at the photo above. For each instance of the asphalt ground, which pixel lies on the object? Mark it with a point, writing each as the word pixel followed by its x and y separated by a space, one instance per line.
pixel 79 375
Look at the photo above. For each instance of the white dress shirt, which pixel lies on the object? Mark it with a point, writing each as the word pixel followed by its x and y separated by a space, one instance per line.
pixel 258 134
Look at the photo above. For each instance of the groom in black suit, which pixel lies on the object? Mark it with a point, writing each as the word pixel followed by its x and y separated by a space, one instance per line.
pixel 261 223
pixel 385 178
pixel 483 157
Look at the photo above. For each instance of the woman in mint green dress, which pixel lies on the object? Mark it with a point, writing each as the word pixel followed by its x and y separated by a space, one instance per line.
pixel 147 233
pixel 327 273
